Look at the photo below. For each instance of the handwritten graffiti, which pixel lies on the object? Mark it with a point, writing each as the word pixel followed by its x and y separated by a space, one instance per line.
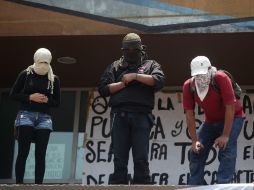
pixel 179 127
pixel 247 105
pixel 169 144
pixel 169 104
pixel 99 105
pixel 247 135
pixel 157 130
pixel 158 151
pixel 101 123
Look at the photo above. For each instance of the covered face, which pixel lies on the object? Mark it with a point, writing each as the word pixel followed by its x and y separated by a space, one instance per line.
pixel 200 67
pixel 42 60
pixel 131 47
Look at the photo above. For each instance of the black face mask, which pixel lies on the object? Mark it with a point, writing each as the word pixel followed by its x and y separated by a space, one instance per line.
pixel 132 56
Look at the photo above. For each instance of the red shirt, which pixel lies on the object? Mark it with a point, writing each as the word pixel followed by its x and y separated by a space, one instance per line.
pixel 214 102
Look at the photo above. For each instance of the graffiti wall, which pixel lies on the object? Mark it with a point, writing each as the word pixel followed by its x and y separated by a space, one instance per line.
pixel 169 143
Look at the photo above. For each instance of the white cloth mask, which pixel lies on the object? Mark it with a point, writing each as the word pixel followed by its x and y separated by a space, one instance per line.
pixel 41 68
pixel 202 85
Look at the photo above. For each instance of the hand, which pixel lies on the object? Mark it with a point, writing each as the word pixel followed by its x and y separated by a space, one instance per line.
pixel 221 142
pixel 39 98
pixel 127 78
pixel 197 147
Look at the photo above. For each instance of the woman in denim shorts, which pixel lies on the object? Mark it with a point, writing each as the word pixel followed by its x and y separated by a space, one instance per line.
pixel 37 89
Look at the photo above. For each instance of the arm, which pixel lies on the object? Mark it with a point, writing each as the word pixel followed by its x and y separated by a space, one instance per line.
pixel 115 87
pixel 190 120
pixel 17 91
pixel 108 84
pixel 155 78
pixel 158 76
pixel 189 105
pixel 143 78
pixel 52 100
pixel 228 97
pixel 222 140
pixel 229 117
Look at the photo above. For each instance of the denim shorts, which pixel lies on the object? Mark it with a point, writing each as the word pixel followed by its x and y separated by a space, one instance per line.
pixel 37 120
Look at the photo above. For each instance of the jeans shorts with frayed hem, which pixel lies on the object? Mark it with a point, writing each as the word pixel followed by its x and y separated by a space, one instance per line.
pixel 37 120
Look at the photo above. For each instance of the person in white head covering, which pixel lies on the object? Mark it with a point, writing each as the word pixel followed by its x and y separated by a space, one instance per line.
pixel 223 120
pixel 37 89
pixel 41 66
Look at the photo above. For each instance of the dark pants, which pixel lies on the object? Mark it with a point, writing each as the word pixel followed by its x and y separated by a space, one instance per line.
pixel 27 134
pixel 130 131
pixel 207 133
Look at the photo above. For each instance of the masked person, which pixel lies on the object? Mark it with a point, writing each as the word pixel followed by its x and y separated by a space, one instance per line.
pixel 131 82
pixel 37 89
pixel 223 120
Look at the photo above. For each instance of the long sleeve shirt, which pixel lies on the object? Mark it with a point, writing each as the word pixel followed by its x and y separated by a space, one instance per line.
pixel 27 84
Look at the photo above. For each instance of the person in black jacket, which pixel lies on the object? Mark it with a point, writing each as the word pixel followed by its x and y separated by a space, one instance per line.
pixel 37 89
pixel 131 83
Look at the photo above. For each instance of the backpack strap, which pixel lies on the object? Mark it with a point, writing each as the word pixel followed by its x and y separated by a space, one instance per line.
pixel 237 89
pixel 214 83
pixel 234 84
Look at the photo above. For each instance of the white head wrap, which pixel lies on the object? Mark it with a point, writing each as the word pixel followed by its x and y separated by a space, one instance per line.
pixel 41 66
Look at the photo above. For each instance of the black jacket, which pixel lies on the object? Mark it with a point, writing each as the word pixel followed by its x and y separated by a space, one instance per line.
pixel 136 96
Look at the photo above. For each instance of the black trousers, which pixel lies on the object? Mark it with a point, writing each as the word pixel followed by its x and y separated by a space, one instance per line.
pixel 27 135
pixel 130 130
